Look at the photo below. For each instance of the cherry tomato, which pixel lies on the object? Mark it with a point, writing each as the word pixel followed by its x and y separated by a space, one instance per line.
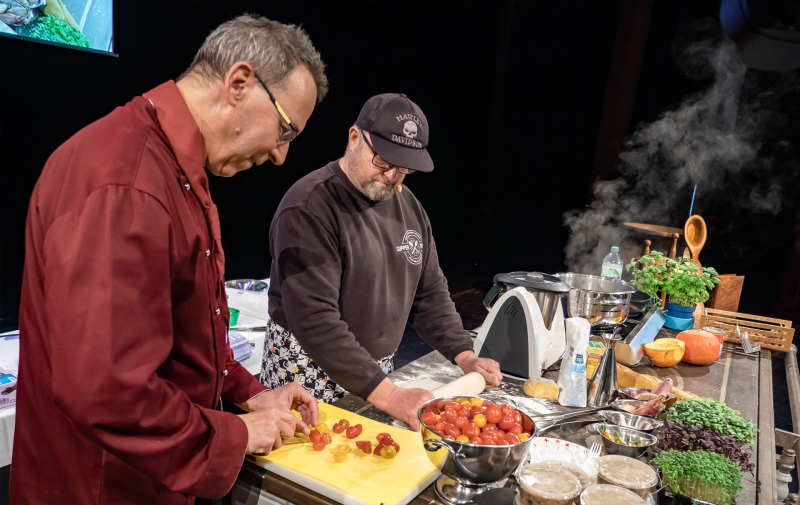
pixel 489 427
pixel 461 423
pixel 464 412
pixel 338 428
pixel 523 436
pixel 517 417
pixel 318 446
pixel 463 439
pixel 487 441
pixel 439 428
pixel 326 438
pixel 516 429
pixel 339 457
pixel 315 436
pixel 476 402
pixel 502 433
pixel 322 428
pixel 506 423
pixel 464 403
pixel 507 409
pixel 511 439
pixel 479 420
pixel 429 419
pixel 388 452
pixel 494 414
pixel 451 415
pixel 345 448
pixel 476 441
pixel 378 449
pixel 345 423
pixel 364 445
pixel 471 430
pixel 451 405
pixel 452 431
pixel 477 409
pixel 354 431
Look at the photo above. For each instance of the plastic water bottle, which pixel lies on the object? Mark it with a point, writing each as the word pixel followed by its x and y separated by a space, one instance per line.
pixel 612 264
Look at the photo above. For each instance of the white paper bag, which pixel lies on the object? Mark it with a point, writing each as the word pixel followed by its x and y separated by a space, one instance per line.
pixel 572 375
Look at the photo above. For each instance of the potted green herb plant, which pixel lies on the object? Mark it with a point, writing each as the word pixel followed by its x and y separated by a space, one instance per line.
pixel 700 475
pixel 686 285
pixel 647 277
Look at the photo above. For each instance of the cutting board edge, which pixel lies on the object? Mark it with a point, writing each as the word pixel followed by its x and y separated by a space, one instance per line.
pixel 335 493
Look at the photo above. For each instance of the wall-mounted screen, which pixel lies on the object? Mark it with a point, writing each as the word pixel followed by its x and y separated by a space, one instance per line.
pixel 86 24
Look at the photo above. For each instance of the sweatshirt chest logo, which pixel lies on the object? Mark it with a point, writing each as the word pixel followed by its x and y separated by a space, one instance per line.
pixel 411 247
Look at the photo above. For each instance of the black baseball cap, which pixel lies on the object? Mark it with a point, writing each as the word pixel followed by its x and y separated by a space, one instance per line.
pixel 398 131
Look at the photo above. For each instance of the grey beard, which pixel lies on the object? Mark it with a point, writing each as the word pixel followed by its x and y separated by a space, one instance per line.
pixel 377 194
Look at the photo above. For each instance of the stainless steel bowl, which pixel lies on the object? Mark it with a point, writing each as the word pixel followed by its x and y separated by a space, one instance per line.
pixel 627 436
pixel 468 463
pixel 247 284
pixel 635 404
pixel 630 394
pixel 600 300
pixel 633 421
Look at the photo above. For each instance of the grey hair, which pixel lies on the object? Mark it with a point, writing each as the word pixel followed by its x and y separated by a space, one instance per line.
pixel 272 48
pixel 356 149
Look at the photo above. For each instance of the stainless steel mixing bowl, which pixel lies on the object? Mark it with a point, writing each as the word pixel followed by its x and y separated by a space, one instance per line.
pixel 600 300
pixel 470 467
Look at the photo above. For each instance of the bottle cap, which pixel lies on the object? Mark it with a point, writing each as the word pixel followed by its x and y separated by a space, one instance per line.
pixel 615 249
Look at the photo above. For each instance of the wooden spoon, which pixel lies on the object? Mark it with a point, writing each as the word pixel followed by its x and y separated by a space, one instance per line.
pixel 694 231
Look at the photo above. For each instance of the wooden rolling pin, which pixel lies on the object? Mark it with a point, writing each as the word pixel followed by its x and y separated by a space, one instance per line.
pixel 471 384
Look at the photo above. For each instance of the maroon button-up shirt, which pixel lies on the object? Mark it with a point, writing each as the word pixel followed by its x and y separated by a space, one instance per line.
pixel 123 320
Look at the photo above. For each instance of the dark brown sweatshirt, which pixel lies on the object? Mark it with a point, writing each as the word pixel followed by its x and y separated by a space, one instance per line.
pixel 347 273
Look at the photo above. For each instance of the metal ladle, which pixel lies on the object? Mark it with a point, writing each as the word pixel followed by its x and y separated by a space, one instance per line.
pixel 694 231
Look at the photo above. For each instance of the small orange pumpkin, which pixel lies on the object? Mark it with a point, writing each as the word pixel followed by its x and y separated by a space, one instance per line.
pixel 702 347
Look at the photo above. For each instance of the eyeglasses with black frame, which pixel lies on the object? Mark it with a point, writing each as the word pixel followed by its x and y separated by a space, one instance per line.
pixel 290 134
pixel 381 163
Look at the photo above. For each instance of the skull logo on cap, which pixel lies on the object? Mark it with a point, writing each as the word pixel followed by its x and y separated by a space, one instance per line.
pixel 410 129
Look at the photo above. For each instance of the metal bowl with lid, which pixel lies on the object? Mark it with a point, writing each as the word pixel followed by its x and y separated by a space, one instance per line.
pixel 601 300
pixel 546 290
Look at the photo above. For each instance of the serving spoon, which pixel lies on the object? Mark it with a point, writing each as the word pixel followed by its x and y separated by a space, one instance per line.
pixel 694 231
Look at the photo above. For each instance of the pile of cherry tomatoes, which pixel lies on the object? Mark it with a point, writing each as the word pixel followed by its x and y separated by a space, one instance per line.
pixel 471 421
pixel 320 436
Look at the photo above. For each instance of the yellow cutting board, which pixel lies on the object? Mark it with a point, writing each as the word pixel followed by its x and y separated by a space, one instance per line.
pixel 361 478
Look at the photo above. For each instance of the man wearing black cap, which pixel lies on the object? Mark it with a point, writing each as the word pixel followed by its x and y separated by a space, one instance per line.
pixel 353 259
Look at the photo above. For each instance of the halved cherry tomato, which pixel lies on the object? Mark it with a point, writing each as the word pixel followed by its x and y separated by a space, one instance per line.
pixel 388 452
pixel 315 436
pixel 364 445
pixel 318 446
pixel 345 448
pixel 345 423
pixel 339 457
pixel 378 449
pixel 494 414
pixel 354 431
pixel 479 420
pixel 380 436
pixel 338 428
pixel 326 438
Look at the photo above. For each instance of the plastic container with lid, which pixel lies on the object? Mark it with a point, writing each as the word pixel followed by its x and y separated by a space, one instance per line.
pixel 626 472
pixel 547 486
pixel 603 494
pixel 575 470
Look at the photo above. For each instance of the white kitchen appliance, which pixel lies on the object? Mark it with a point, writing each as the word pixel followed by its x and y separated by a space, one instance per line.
pixel 522 337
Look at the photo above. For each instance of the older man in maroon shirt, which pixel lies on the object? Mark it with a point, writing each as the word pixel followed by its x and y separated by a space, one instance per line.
pixel 123 321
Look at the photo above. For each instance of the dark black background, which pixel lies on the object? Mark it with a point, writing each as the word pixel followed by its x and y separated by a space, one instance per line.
pixel 514 93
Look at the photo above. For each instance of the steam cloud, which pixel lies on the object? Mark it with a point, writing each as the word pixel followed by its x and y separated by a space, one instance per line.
pixel 714 139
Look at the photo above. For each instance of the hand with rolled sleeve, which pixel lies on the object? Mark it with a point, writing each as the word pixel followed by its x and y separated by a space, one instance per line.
pixel 488 368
